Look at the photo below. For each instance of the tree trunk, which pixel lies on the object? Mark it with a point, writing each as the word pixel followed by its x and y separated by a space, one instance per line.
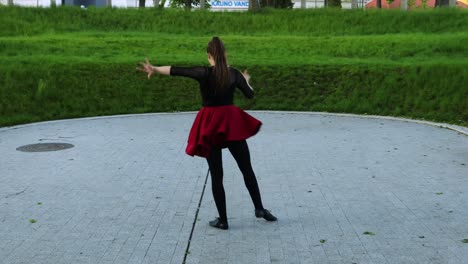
pixel 188 4
pixel 109 3
pixel 303 4
pixel 254 5
pixel 162 3
pixel 202 4
pixel 354 4
pixel 141 3
pixel 10 2
pixel 379 4
pixel 452 3
pixel 404 5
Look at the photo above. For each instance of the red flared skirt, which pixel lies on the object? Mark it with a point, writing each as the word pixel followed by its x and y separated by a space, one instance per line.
pixel 215 125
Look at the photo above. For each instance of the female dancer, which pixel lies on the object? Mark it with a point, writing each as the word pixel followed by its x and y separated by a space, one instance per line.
pixel 219 124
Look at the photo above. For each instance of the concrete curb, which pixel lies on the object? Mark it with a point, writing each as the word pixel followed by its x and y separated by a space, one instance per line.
pixel 460 129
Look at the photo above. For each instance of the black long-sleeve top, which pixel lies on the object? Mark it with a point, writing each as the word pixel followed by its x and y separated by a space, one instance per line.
pixel 207 80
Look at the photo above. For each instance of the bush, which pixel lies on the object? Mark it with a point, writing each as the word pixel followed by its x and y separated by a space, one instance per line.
pixel 64 91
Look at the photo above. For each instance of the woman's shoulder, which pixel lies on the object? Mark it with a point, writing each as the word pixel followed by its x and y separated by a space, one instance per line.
pixel 233 70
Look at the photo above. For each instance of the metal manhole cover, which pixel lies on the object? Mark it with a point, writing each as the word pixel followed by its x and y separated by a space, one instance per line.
pixel 43 147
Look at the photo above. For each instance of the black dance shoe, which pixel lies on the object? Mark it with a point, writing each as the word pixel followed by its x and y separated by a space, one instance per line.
pixel 219 224
pixel 265 214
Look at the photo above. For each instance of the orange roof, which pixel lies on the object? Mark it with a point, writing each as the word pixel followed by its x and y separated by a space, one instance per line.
pixel 462 3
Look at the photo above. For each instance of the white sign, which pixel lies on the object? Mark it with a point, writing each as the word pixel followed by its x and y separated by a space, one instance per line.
pixel 229 4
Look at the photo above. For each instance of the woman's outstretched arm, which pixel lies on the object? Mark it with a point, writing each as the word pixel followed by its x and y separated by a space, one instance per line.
pixel 150 69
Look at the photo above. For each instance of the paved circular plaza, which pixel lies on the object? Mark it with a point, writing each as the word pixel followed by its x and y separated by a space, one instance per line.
pixel 346 189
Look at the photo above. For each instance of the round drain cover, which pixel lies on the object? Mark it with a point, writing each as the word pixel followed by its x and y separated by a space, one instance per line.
pixel 43 147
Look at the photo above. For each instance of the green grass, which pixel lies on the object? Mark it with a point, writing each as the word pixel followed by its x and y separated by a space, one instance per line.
pixel 315 22
pixel 101 47
pixel 67 62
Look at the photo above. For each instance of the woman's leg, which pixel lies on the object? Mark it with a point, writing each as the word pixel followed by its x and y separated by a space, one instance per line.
pixel 240 152
pixel 215 163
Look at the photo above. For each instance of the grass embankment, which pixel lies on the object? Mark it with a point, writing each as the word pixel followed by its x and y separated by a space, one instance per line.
pixel 67 62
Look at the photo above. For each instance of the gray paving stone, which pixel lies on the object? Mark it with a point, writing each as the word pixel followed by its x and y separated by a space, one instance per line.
pixel 127 193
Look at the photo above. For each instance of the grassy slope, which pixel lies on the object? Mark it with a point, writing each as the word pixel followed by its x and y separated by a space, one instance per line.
pixel 321 60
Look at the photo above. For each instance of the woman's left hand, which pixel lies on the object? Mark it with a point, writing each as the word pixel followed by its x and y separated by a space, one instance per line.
pixel 147 67
pixel 246 75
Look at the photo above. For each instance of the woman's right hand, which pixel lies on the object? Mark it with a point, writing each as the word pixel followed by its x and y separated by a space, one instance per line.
pixel 147 67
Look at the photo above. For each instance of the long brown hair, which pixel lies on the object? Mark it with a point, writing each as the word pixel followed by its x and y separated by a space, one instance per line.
pixel 220 69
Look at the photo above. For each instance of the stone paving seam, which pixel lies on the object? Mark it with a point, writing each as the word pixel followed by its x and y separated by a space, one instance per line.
pixel 196 217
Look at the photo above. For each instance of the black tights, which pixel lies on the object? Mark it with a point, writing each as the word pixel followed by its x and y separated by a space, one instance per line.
pixel 240 152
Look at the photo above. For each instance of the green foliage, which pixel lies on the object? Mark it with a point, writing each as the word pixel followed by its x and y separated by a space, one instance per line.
pixel 181 3
pixel 277 3
pixel 334 3
pixel 76 90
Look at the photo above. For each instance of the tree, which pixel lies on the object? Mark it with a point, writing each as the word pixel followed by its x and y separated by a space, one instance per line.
pixel 141 3
pixel 10 2
pixel 276 3
pixel 379 4
pixel 334 3
pixel 441 3
pixel 184 3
